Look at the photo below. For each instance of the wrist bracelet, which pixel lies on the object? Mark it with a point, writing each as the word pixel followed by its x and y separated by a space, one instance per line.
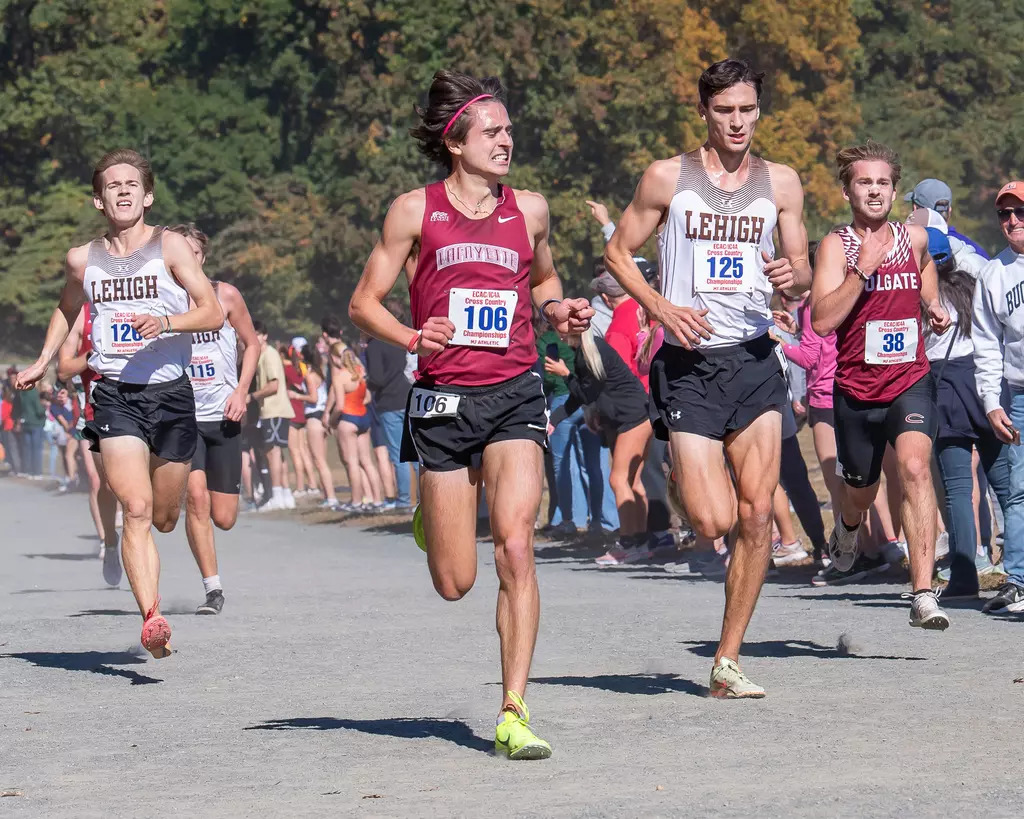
pixel 864 276
pixel 414 343
pixel 546 302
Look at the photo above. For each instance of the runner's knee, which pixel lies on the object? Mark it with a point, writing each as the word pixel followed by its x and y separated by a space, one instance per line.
pixel 138 511
pixel 756 514
pixel 710 523
pixel 513 556
pixel 454 585
pixel 915 469
pixel 198 501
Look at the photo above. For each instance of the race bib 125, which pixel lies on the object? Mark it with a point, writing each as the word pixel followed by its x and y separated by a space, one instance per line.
pixel 724 267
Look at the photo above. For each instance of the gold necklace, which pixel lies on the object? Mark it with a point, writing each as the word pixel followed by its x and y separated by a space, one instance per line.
pixel 476 209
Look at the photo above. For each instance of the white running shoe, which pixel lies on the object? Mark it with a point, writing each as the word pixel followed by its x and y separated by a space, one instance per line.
pixel 925 611
pixel 729 683
pixel 785 554
pixel 621 554
pixel 842 546
pixel 942 546
pixel 895 551
pixel 272 505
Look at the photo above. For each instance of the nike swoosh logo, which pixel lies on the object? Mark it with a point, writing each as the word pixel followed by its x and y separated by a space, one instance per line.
pixel 534 426
pixel 503 219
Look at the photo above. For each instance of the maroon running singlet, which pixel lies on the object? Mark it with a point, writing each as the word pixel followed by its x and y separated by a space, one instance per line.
pixel 477 273
pixel 880 347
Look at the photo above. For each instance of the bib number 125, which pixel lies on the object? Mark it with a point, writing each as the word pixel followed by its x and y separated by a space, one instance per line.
pixel 725 267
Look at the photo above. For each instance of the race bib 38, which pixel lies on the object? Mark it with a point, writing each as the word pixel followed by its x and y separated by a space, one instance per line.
pixel 891 342
pixel 482 318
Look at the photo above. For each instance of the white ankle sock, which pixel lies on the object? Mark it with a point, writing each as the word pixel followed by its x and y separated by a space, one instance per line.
pixel 212 583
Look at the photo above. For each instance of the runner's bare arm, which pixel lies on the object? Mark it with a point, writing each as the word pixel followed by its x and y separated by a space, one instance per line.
pixel 938 317
pixel 790 272
pixel 834 290
pixel 237 313
pixel 639 221
pixel 366 308
pixel 72 297
pixel 183 265
pixel 69 362
pixel 570 316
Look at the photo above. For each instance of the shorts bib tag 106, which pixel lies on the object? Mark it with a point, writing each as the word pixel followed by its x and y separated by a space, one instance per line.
pixel 482 318
pixel 891 342
pixel 724 267
pixel 430 404
pixel 118 337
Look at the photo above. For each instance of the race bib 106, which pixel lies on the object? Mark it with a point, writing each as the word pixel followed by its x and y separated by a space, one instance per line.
pixel 482 318
pixel 430 404
pixel 891 342
pixel 724 267
pixel 118 336
pixel 202 370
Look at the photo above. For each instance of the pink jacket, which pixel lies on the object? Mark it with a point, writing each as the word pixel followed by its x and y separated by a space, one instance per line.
pixel 817 356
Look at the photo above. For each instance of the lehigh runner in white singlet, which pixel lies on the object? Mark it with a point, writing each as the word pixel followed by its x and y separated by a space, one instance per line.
pixel 221 398
pixel 717 383
pixel 138 280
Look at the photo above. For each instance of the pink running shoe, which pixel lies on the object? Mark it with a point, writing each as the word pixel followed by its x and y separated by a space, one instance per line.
pixel 156 633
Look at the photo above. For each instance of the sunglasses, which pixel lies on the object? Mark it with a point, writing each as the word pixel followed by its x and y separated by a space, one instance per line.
pixel 1004 213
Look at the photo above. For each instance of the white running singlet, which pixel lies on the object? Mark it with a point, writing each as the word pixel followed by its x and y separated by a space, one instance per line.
pixel 213 370
pixel 118 288
pixel 710 251
pixel 321 400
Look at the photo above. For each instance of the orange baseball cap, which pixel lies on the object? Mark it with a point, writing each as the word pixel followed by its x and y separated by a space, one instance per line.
pixel 1014 189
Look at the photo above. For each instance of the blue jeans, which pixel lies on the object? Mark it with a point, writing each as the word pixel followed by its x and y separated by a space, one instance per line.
pixel 1013 537
pixel 597 464
pixel 958 478
pixel 392 422
pixel 32 450
pixel 567 457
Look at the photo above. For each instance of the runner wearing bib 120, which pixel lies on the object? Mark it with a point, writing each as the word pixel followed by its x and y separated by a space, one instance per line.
pixel 138 280
pixel 871 280
pixel 477 413
pixel 717 384
pixel 221 397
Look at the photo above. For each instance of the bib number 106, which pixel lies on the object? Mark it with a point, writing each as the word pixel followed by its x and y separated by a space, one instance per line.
pixel 487 318
pixel 893 343
pixel 725 267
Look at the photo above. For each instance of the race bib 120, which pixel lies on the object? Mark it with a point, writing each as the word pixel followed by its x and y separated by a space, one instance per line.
pixel 482 318
pixel 430 404
pixel 891 342
pixel 724 267
pixel 118 336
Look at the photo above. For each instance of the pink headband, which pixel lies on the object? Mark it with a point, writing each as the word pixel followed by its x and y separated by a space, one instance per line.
pixel 458 113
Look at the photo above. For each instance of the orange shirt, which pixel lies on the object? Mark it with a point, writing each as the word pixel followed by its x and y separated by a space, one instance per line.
pixel 354 400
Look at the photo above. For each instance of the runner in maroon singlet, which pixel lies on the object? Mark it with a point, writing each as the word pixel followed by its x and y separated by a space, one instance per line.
pixel 73 360
pixel 477 413
pixel 871 280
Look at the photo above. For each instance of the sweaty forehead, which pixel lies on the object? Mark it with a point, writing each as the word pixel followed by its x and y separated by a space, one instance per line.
pixel 488 114
pixel 122 173
pixel 871 169
pixel 741 94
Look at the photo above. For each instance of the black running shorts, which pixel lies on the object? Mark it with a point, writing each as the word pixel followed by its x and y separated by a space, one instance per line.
pixel 863 429
pixel 219 455
pixel 447 427
pixel 715 391
pixel 162 415
pixel 275 431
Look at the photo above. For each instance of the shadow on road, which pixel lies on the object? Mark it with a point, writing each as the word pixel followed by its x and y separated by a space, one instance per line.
pixel 95 662
pixel 630 683
pixel 126 613
pixel 786 648
pixel 451 730
pixel 64 555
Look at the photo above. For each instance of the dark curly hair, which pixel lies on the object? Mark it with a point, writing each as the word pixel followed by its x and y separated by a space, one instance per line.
pixel 449 91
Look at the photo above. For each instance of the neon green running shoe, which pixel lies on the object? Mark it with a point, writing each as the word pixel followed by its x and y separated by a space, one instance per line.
pixel 513 736
pixel 418 534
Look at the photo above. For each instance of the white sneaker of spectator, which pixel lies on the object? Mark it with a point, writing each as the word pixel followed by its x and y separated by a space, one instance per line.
pixel 627 550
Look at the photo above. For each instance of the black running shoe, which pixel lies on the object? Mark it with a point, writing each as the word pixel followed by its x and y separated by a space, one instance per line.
pixel 1009 597
pixel 862 567
pixel 214 603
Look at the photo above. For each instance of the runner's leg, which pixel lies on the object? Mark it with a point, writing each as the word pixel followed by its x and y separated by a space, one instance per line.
pixel 94 488
pixel 168 480
pixel 512 478
pixel 704 484
pixel 754 453
pixel 448 506
pixel 198 525
pixel 918 510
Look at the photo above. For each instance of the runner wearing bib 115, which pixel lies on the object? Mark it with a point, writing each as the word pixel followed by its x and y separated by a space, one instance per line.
pixel 477 413
pixel 871 280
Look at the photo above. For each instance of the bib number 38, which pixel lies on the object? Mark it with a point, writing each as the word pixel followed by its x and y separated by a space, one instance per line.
pixel 430 404
pixel 890 342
